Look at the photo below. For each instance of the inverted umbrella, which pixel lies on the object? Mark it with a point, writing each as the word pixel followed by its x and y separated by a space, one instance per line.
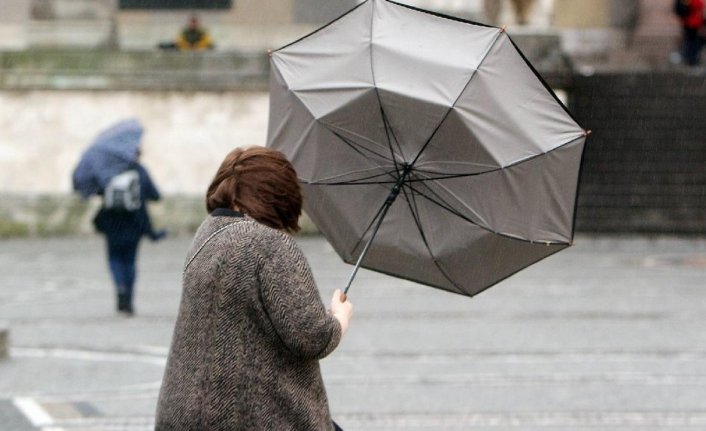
pixel 428 147
pixel 112 152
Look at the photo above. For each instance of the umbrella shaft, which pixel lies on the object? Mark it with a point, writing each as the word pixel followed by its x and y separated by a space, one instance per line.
pixel 398 185
pixel 367 245
pixel 381 216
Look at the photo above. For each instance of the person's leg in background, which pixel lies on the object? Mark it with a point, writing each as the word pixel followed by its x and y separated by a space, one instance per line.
pixel 122 257
pixel 130 254
pixel 492 9
pixel 691 46
pixel 522 10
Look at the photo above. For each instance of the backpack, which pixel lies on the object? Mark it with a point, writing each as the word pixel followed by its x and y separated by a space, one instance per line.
pixel 123 192
pixel 681 7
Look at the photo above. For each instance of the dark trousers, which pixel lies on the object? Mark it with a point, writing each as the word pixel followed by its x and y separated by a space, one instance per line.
pixel 122 258
pixel 691 46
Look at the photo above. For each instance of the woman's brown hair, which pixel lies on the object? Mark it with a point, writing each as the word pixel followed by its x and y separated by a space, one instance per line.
pixel 260 182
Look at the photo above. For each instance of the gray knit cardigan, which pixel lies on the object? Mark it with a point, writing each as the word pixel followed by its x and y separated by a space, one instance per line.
pixel 250 331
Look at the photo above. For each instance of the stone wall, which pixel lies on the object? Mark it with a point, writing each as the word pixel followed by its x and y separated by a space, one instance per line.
pixel 53 102
pixel 643 171
pixel 187 134
pixel 644 167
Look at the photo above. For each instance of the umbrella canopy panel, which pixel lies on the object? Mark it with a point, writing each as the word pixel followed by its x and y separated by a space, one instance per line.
pixel 486 156
pixel 112 152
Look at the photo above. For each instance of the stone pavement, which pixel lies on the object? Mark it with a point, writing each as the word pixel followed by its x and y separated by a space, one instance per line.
pixel 608 335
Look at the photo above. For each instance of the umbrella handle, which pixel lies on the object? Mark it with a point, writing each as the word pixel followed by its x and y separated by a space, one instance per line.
pixel 343 297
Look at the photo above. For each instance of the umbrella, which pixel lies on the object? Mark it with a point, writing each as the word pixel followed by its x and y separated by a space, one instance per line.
pixel 427 146
pixel 113 151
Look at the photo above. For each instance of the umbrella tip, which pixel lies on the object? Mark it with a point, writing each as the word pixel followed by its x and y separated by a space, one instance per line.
pixel 269 53
pixel 587 132
pixel 503 29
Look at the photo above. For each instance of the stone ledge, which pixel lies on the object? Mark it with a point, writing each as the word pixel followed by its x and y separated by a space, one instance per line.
pixel 132 70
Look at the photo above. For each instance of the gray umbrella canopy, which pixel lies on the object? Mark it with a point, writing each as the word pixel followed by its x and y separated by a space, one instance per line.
pixel 434 136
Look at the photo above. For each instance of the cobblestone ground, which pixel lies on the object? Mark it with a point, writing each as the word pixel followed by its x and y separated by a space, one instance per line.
pixel 608 335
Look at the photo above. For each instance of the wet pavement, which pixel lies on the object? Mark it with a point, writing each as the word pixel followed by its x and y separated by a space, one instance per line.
pixel 607 335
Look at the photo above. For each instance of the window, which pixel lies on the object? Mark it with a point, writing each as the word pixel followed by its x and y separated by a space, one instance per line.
pixel 175 4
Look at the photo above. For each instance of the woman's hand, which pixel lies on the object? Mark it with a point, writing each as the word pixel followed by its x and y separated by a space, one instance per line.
pixel 342 310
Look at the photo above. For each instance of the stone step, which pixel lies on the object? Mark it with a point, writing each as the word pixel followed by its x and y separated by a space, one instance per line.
pixel 132 70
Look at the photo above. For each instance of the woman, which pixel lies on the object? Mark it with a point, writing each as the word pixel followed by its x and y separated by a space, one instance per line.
pixel 251 325
pixel 123 230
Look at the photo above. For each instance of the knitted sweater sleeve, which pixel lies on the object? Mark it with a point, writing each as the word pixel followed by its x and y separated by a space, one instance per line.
pixel 292 301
